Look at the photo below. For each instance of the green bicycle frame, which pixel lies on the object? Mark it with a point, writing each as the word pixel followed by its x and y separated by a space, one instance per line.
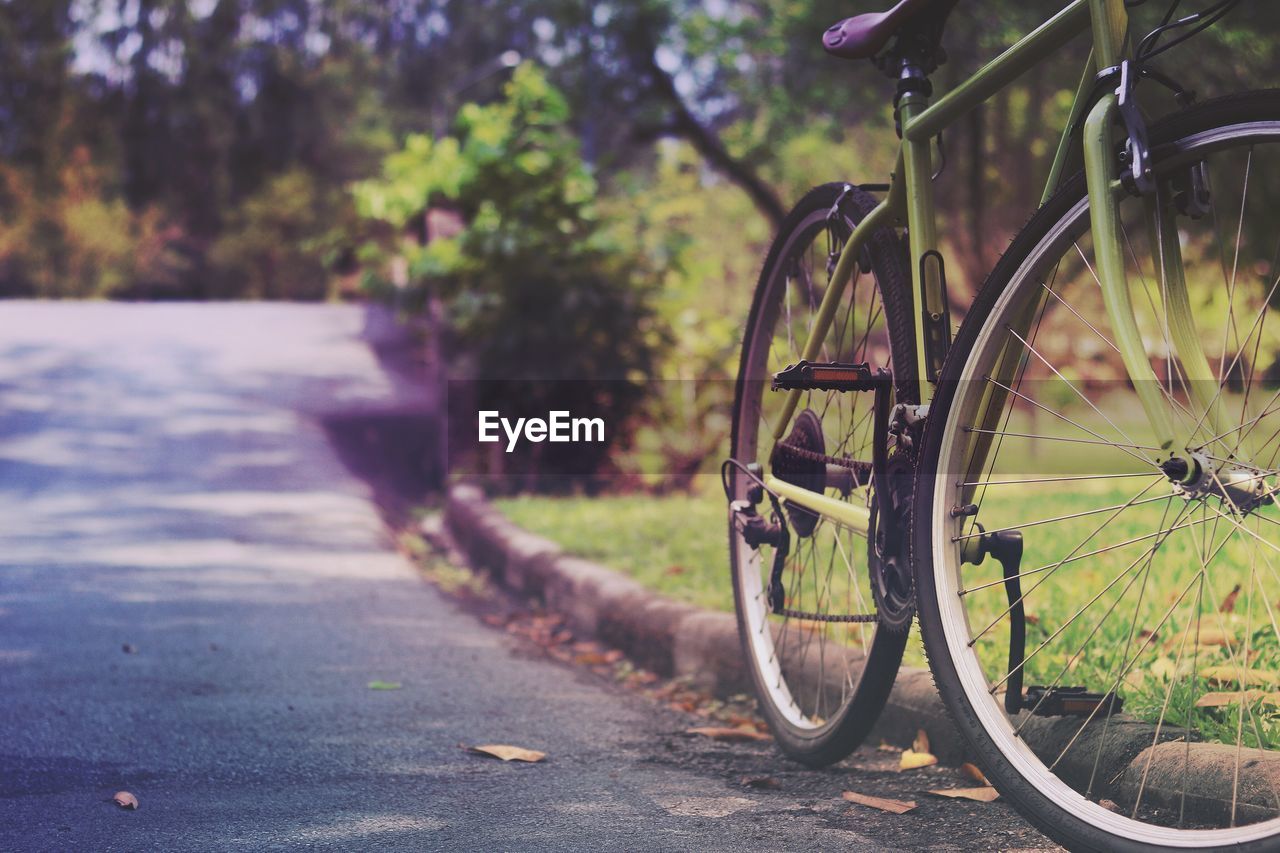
pixel 910 203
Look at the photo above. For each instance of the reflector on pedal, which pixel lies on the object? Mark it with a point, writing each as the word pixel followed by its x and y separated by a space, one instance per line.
pixel 831 377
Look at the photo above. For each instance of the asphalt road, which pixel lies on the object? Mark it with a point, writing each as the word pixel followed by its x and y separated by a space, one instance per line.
pixel 195 592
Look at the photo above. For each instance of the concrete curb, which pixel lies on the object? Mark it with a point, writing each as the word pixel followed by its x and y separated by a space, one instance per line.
pixel 674 639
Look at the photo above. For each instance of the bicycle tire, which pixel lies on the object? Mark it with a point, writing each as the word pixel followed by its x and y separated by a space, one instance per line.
pixel 1077 824
pixel 836 734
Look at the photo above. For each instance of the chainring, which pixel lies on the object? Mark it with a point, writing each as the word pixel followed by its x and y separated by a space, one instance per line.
pixel 888 561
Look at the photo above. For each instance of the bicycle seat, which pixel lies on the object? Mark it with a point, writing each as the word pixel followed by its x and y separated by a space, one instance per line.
pixel 863 36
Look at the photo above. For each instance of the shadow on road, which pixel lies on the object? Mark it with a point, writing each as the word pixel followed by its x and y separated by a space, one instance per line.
pixel 394 452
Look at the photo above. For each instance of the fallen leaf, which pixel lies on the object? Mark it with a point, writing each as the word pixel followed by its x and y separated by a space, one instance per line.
pixel 912 760
pixel 384 685
pixel 508 753
pixel 1109 805
pixel 673 570
pixel 884 805
pixel 1229 603
pixel 1227 674
pixel 984 794
pixel 1219 699
pixel 921 743
pixel 590 659
pixel 1031 618
pixel 125 800
pixel 1213 637
pixel 1135 679
pixel 1163 668
pixel 613 656
pixel 971 771
pixel 885 746
pixel 760 783
pixel 739 734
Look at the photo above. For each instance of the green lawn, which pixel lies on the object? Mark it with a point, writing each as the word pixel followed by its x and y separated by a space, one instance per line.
pixel 677 546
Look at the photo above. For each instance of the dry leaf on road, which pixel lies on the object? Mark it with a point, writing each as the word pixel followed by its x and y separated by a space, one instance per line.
pixel 760 783
pixel 508 753
pixel 912 760
pixel 984 794
pixel 884 805
pixel 125 800
pixel 739 734
pixel 921 743
pixel 971 771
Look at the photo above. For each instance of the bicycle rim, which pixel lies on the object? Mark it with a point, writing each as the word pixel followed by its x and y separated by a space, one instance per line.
pixel 820 684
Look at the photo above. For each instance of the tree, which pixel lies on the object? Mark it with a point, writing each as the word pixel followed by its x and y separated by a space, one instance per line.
pixel 548 299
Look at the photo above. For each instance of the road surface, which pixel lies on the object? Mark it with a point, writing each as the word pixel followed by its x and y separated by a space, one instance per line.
pixel 195 593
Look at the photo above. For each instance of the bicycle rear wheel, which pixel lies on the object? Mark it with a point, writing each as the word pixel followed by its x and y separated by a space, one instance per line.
pixel 820 684
pixel 1143 708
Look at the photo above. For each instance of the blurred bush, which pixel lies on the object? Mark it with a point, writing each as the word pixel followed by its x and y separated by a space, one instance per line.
pixel 82 241
pixel 283 242
pixel 549 300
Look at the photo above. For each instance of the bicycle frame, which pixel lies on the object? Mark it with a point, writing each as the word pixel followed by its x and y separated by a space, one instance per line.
pixel 910 203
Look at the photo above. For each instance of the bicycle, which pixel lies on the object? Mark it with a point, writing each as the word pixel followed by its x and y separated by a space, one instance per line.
pixel 1104 424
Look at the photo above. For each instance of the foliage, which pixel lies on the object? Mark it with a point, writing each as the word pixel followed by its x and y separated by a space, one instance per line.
pixel 281 243
pixel 84 244
pixel 549 296
pixel 161 148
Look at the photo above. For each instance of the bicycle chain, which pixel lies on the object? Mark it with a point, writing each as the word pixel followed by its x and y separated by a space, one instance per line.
pixel 863 468
pixel 823 617
pixel 863 476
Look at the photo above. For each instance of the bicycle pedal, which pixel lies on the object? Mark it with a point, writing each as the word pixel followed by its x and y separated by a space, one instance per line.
pixel 1070 702
pixel 831 376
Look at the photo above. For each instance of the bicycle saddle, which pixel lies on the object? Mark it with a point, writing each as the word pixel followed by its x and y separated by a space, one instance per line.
pixel 863 36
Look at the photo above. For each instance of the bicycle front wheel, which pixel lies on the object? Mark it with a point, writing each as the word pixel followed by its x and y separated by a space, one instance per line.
pixel 820 678
pixel 1117 668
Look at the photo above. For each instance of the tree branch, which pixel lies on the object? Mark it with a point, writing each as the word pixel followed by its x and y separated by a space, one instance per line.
pixel 708 143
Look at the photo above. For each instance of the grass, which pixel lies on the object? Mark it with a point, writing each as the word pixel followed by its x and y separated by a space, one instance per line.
pixel 676 545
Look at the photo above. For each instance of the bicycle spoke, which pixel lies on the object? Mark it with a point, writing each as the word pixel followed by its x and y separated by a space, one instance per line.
pixel 1160 608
